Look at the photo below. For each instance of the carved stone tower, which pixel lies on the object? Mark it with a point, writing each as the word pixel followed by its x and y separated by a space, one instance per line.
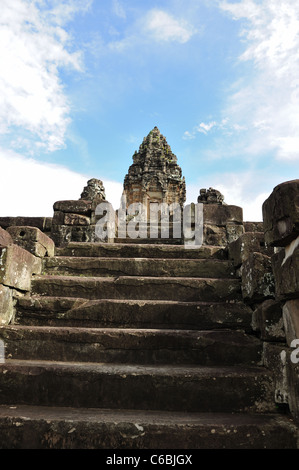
pixel 154 176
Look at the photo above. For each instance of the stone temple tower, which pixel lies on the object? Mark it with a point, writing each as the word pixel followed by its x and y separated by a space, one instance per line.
pixel 154 176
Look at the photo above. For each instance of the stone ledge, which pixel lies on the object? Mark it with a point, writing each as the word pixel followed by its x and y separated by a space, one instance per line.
pixel 43 223
pixel 222 214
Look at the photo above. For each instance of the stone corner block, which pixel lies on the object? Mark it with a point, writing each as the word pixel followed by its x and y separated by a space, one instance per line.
pixel 257 278
pixel 5 238
pixel 17 267
pixel 267 320
pixel 33 240
pixel 281 214
pixel 216 214
pixel 6 305
pixel 286 273
pixel 81 206
pixel 291 320
pixel 248 242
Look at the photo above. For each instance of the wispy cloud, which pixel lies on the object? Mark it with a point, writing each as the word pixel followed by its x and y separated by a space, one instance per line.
pixel 119 9
pixel 153 26
pixel 162 26
pixel 33 48
pixel 267 100
pixel 225 126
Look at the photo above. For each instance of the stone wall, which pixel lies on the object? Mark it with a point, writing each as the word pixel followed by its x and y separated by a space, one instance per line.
pixel 75 220
pixel 222 223
pixel 281 224
pixel 268 265
pixel 42 223
pixel 21 253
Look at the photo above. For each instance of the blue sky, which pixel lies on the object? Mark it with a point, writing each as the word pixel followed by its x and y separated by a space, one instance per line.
pixel 83 81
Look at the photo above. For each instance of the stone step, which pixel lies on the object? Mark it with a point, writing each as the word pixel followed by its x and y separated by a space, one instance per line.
pixel 151 241
pixel 128 287
pixel 133 250
pixel 27 427
pixel 131 346
pixel 63 311
pixel 87 266
pixel 121 386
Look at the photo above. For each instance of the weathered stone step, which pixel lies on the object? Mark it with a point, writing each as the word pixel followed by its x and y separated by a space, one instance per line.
pixel 131 250
pixel 150 241
pixel 51 311
pixel 87 266
pixel 27 427
pixel 128 287
pixel 117 386
pixel 131 346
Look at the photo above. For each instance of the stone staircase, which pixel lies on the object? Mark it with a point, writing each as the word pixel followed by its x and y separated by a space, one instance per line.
pixel 137 346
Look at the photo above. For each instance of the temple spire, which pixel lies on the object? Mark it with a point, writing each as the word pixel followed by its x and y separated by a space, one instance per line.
pixel 154 175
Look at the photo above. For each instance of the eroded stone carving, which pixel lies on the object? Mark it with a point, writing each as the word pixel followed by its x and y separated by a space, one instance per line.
pixel 210 196
pixel 94 190
pixel 154 176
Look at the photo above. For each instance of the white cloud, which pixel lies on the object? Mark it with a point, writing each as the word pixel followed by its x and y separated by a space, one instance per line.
pixel 33 46
pixel 239 189
pixel 30 188
pixel 63 11
pixel 205 128
pixel 188 135
pixel 155 25
pixel 119 9
pixel 266 101
pixel 164 27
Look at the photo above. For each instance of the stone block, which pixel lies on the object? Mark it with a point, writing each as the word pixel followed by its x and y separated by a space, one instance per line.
pixel 281 214
pixel 43 223
pixel 5 238
pixel 76 219
pixel 64 218
pixel 257 278
pixel 286 375
pixel 254 227
pixel 63 234
pixel 233 232
pixel 6 305
pixel 286 273
pixel 214 235
pixel 249 242
pixel 293 386
pixel 216 214
pixel 267 320
pixel 81 206
pixel 58 218
pixel 17 266
pixel 33 240
pixel 275 359
pixel 291 320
